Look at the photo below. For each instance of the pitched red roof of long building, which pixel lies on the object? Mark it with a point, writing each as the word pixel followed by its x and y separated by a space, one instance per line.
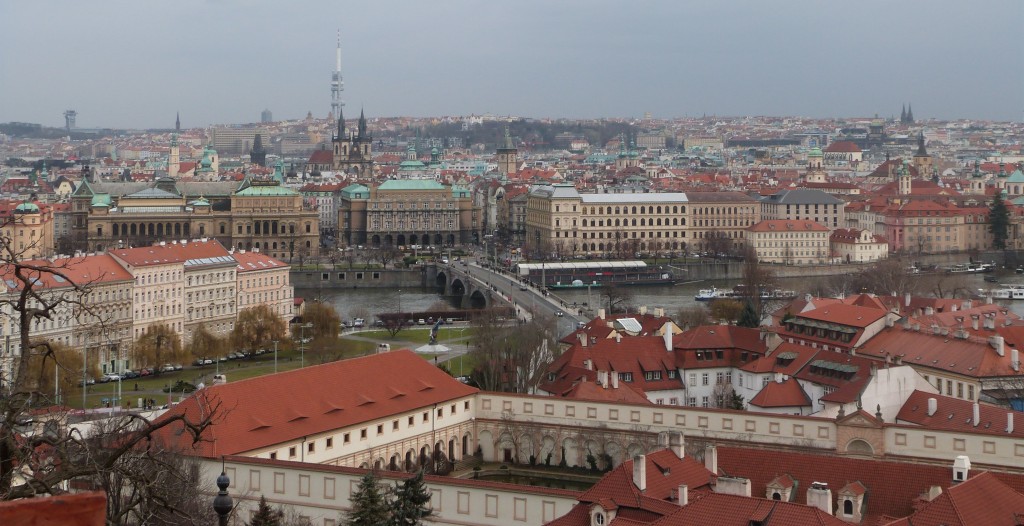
pixel 268 410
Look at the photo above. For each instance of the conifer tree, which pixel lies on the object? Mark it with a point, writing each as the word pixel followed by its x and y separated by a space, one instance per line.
pixel 265 515
pixel 998 222
pixel 369 505
pixel 411 502
pixel 748 318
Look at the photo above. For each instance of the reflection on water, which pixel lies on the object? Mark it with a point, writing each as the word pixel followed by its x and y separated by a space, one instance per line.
pixel 533 480
pixel 671 298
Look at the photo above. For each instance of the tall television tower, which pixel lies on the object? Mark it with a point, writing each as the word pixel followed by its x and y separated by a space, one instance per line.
pixel 337 84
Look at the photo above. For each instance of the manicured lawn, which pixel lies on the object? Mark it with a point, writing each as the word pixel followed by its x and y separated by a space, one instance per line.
pixel 237 370
pixel 417 334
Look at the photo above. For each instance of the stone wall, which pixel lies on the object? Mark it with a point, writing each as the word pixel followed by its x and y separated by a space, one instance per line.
pixel 344 278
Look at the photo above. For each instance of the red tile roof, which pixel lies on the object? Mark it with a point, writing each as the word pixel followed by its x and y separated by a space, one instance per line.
pixel 785 225
pixel 969 357
pixel 171 253
pixel 843 147
pixel 983 499
pixel 787 393
pixel 721 509
pixel 590 390
pixel 261 412
pixel 249 261
pixel 82 271
pixel 953 414
pixel 892 487
pixel 616 490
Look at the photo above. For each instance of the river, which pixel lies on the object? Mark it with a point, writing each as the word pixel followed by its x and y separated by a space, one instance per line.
pixel 671 298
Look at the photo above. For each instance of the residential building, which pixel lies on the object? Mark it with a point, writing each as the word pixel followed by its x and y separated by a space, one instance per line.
pixel 718 220
pixel 858 246
pixel 158 296
pixel 805 205
pixel 263 280
pixel 27 229
pixel 789 242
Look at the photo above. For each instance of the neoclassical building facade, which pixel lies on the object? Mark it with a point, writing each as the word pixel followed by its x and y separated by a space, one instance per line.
pixel 258 213
pixel 408 212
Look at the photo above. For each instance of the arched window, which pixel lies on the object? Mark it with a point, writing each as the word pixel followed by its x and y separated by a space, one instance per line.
pixel 634 209
pixel 847 507
pixel 776 496
pixel 659 209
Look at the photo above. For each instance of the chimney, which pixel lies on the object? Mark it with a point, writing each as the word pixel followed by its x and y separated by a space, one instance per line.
pixel 977 414
pixel 889 321
pixel 640 472
pixel 819 496
pixel 675 443
pixel 936 329
pixel 933 493
pixel 684 495
pixel 711 458
pixel 615 379
pixel 1009 422
pixel 997 343
pixel 588 365
pixel 967 305
pixel 733 486
pixel 906 299
pixel 602 379
pixel 933 406
pixel 643 310
pixel 928 311
pixel 583 339
pixel 974 321
pixel 600 313
pixel 666 337
pixel 989 323
pixel 1014 359
pixel 961 468
pixel 659 312
pixel 618 337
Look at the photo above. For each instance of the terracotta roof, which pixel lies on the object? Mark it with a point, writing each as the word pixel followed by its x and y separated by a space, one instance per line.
pixel 787 393
pixel 842 147
pixel 785 225
pixel 635 355
pixel 892 487
pixel 969 357
pixel 590 390
pixel 83 271
pixel 616 490
pixel 322 157
pixel 719 337
pixel 983 499
pixel 195 250
pixel 722 509
pixel 850 315
pixel 954 414
pixel 249 261
pixel 268 410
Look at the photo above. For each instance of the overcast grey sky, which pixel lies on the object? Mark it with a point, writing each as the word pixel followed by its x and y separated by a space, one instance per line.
pixel 132 63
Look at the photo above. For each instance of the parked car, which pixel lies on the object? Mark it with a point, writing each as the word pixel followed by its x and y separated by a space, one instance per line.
pixel 111 377
pixel 145 372
pixel 128 375
pixel 378 323
pixel 167 368
pixel 178 367
pixel 359 322
pixel 449 321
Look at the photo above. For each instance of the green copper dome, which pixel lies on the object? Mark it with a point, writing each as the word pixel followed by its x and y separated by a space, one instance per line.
pixel 815 152
pixel 27 208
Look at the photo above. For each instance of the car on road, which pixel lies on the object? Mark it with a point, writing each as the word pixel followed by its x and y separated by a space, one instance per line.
pixel 559 313
pixel 421 321
pixel 523 287
pixel 359 322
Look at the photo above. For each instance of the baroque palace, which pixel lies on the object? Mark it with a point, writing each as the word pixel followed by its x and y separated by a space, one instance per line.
pixel 258 213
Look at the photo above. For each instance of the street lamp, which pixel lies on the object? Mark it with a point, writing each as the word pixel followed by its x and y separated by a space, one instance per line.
pixel 302 344
pixel 222 503
pixel 275 356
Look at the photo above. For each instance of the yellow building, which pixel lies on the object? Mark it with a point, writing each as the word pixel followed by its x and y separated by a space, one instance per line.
pixel 789 242
pixel 27 229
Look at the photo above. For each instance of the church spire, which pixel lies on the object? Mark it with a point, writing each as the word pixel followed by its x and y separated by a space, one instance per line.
pixel 921 152
pixel 362 125
pixel 341 124
pixel 177 121
pixel 903 114
pixel 910 114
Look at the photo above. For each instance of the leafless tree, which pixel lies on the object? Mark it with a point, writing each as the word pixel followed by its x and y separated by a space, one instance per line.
pixel 509 356
pixel 616 299
pixel 695 316
pixel 40 453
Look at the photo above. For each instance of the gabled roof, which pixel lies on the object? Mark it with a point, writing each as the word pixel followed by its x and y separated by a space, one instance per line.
pixel 720 509
pixel 892 487
pixel 787 393
pixel 261 412
pixel 801 196
pixel 982 499
pixel 954 414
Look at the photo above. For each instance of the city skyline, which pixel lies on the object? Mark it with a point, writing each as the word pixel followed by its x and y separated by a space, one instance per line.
pixel 221 62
